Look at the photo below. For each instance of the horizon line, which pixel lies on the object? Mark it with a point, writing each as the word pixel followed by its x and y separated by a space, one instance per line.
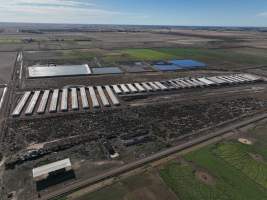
pixel 103 24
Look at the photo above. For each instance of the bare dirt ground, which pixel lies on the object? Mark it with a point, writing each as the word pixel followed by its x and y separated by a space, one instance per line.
pixel 149 186
pixel 257 157
pixel 250 39
pixel 205 177
pixel 6 66
pixel 1 92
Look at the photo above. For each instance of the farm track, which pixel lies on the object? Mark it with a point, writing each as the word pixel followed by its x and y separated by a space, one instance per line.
pixel 6 106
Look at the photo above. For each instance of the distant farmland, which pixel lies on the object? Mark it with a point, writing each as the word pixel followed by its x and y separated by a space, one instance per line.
pixel 216 58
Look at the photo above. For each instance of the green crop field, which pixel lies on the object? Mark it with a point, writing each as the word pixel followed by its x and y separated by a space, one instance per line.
pixel 240 157
pixel 217 55
pixel 259 133
pixel 131 55
pixel 227 57
pixel 148 54
pixel 238 171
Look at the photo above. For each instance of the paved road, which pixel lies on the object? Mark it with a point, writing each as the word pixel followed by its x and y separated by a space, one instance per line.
pixel 118 171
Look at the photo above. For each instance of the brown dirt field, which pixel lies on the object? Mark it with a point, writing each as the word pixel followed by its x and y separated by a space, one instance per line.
pixel 150 187
pixel 1 92
pixel 205 177
pixel 221 34
pixel 6 66
pixel 257 157
pixel 142 194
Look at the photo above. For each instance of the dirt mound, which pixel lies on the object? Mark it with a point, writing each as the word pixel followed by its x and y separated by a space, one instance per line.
pixel 205 177
pixel 257 157
pixel 245 141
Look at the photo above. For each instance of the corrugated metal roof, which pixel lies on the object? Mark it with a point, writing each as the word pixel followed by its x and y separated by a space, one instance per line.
pixel 46 169
pixel 63 70
pixel 106 70
pixel 167 67
pixel 174 65
pixel 187 63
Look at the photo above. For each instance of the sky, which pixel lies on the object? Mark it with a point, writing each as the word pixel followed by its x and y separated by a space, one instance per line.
pixel 139 12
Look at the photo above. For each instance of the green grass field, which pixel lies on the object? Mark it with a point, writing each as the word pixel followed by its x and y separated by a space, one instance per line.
pixel 237 174
pixel 229 58
pixel 148 54
pixel 240 157
pixel 259 132
pixel 217 55
pixel 236 171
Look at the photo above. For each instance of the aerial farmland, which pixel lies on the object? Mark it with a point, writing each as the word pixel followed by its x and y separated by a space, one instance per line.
pixel 140 114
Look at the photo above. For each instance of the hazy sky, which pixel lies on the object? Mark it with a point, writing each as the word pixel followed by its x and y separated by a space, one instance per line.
pixel 165 12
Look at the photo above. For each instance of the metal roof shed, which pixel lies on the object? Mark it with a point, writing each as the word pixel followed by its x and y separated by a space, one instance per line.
pixel 188 64
pixel 250 77
pixel 43 172
pixel 206 81
pixel 216 80
pixel 225 79
pixel 60 70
